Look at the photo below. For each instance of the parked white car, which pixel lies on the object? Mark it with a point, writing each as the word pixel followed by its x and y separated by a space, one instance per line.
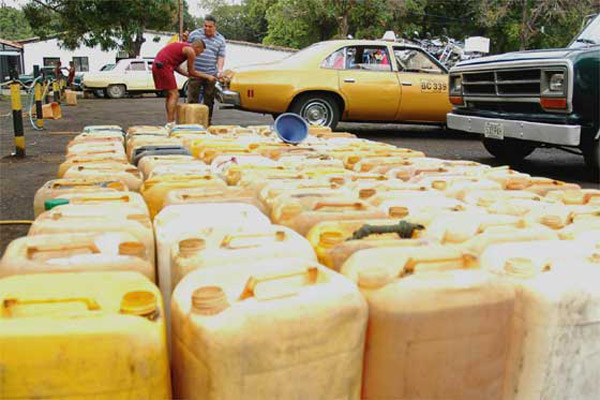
pixel 128 76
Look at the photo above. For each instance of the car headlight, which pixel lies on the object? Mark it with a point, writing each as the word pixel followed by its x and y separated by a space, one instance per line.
pixel 557 82
pixel 456 85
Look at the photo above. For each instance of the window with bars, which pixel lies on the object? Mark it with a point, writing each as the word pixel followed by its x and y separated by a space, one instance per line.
pixel 81 64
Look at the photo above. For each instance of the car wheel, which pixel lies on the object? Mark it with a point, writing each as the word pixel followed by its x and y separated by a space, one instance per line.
pixel 116 91
pixel 509 150
pixel 317 109
pixel 592 158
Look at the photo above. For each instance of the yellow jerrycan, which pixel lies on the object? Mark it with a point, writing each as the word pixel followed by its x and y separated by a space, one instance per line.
pixel 271 191
pixel 579 228
pixel 380 165
pixel 192 114
pixel 76 252
pixel 462 226
pixel 94 335
pixel 229 194
pixel 207 221
pixel 553 215
pixel 507 234
pixel 147 129
pixel 554 351
pixel 92 147
pixel 222 129
pixel 81 160
pixel 420 202
pixel 98 152
pixel 155 190
pixel 102 128
pixel 126 173
pixel 277 312
pixel 148 163
pixel 97 218
pixel 127 201
pixel 543 186
pixel 181 169
pixel 335 241
pixel 57 187
pixel 576 197
pixel 88 138
pixel 272 242
pixel 257 181
pixel 434 335
pixel 141 141
pixel 220 164
pixel 303 216
pixel 236 173
pixel 486 198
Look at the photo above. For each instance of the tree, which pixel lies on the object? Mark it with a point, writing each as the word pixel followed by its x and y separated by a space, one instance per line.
pixel 13 24
pixel 109 24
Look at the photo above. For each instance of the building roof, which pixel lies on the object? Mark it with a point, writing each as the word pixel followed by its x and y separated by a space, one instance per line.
pixel 11 43
pixel 165 33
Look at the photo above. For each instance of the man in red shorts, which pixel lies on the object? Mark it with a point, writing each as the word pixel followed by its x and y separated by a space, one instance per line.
pixel 167 62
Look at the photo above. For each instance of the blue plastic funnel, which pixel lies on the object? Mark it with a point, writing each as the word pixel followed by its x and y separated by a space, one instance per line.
pixel 291 128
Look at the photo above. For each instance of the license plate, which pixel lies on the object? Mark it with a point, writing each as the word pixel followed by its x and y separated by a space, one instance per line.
pixel 493 130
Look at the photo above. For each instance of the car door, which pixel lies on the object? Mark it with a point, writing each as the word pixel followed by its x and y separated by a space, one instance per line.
pixel 368 83
pixel 424 86
pixel 136 75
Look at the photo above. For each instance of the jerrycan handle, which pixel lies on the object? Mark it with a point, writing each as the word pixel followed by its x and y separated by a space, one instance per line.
pixel 32 250
pixel 202 195
pixel 122 199
pixel 229 240
pixel 311 273
pixel 58 185
pixel 467 260
pixel 9 304
pixel 349 204
pixel 521 223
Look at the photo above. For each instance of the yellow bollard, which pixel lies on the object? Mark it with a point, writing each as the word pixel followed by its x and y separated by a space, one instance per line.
pixel 38 105
pixel 17 112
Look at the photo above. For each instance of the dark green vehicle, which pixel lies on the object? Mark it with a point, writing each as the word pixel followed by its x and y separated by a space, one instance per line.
pixel 540 98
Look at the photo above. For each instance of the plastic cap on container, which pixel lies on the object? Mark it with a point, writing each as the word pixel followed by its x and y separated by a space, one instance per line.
pixel 189 247
pixel 398 212
pixel 373 278
pixel 439 185
pixel 209 300
pixel 51 203
pixel 331 238
pixel 134 249
pixel 141 303
pixel 291 128
pixel 552 221
pixel 366 193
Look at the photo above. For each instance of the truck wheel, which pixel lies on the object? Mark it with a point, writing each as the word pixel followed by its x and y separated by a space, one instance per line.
pixel 509 150
pixel 592 158
pixel 116 91
pixel 317 109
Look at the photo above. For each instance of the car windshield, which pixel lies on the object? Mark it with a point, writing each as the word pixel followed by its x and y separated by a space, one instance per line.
pixel 304 54
pixel 590 34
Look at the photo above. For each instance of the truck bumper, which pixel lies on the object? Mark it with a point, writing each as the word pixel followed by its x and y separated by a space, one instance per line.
pixel 228 96
pixel 564 135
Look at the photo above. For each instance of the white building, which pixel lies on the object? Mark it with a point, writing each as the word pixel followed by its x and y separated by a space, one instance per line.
pixel 47 52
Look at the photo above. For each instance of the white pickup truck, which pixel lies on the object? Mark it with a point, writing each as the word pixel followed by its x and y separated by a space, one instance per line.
pixel 130 75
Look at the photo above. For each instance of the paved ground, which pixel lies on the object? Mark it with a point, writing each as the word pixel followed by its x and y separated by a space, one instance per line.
pixel 19 179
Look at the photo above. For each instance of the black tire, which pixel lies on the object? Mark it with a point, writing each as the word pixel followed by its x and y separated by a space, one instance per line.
pixel 116 91
pixel 317 109
pixel 509 150
pixel 99 93
pixel 161 93
pixel 591 156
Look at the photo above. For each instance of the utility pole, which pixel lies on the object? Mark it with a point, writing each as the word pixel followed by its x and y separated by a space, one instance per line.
pixel 181 20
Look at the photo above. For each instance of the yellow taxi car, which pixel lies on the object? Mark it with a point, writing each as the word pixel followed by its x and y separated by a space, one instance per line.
pixel 345 80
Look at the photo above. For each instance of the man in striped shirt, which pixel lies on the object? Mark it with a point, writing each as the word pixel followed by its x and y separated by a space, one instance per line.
pixel 209 62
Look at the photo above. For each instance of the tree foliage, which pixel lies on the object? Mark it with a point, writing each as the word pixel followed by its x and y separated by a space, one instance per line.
pixel 109 24
pixel 13 24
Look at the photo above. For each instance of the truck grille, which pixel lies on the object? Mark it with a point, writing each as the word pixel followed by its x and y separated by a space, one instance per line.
pixel 525 82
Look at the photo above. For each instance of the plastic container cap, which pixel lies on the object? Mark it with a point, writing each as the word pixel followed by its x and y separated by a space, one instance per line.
pixel 291 128
pixel 51 203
